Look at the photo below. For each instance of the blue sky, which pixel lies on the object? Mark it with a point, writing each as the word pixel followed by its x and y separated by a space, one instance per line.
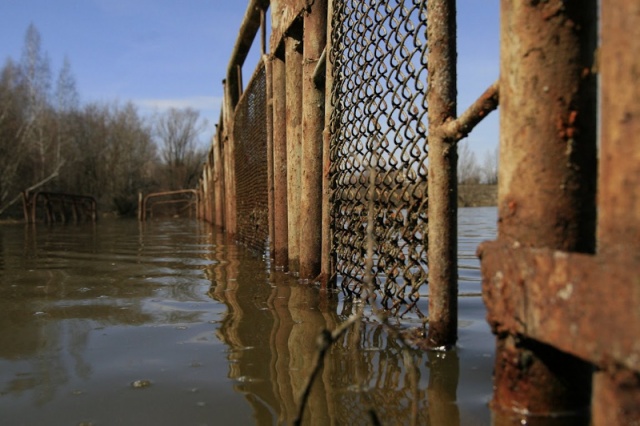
pixel 162 53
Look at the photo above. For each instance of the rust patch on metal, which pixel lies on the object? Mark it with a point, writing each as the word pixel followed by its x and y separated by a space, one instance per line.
pixel 559 299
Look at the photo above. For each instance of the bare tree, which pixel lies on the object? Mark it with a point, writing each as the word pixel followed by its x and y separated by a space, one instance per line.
pixel 177 131
pixel 111 156
pixel 468 170
pixel 12 128
pixel 489 168
pixel 36 73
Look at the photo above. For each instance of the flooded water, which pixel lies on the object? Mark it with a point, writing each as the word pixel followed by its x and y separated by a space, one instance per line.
pixel 169 323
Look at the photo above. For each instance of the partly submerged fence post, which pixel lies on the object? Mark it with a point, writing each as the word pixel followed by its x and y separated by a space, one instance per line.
pixel 270 172
pixel 229 159
pixel 616 392
pixel 443 198
pixel 326 265
pixel 218 176
pixel 546 182
pixel 280 216
pixel 315 29
pixel 293 64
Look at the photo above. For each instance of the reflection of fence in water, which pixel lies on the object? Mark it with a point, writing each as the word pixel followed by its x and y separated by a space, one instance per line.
pixel 271 352
pixel 379 100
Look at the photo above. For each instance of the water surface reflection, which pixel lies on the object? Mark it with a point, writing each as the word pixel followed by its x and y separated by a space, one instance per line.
pixel 87 310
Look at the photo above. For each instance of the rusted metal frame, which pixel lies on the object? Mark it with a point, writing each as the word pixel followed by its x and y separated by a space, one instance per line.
pixel 461 127
pixel 163 202
pixel 146 198
pixel 442 188
pixel 315 30
pixel 558 300
pixel 616 393
pixel 280 205
pixel 30 204
pixel 233 89
pixel 270 171
pixel 246 34
pixel 546 186
pixel 327 268
pixel 293 65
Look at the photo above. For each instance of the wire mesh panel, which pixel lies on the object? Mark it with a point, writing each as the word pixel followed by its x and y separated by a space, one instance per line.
pixel 250 137
pixel 379 147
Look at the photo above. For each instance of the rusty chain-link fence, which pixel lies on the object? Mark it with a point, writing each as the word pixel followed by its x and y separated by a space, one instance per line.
pixel 250 134
pixel 379 147
pixel 367 173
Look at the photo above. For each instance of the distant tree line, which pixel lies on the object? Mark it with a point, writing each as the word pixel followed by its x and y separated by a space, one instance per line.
pixel 471 171
pixel 50 141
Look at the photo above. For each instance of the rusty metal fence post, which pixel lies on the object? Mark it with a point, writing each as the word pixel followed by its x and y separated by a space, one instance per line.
pixel 326 267
pixel 314 39
pixel 443 195
pixel 293 65
pixel 546 186
pixel 218 176
pixel 616 394
pixel 229 162
pixel 270 170
pixel 280 207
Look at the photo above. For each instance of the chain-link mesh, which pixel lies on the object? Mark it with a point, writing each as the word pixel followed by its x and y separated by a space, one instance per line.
pixel 250 137
pixel 379 135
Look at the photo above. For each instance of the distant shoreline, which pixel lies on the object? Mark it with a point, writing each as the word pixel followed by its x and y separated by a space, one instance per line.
pixel 477 195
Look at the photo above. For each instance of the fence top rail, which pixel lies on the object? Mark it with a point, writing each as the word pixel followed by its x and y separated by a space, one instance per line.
pixel 165 193
pixel 63 195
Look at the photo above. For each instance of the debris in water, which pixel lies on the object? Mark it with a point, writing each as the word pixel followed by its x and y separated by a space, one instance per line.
pixel 139 384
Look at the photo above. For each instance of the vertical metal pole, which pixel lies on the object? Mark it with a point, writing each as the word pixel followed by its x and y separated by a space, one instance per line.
pixel 212 183
pixel 140 217
pixel 218 177
pixel 326 265
pixel 280 220
pixel 270 171
pixel 546 192
pixel 443 190
pixel 239 81
pixel 616 396
pixel 263 32
pixel 25 206
pixel 144 209
pixel 293 65
pixel 34 208
pixel 229 161
pixel 315 28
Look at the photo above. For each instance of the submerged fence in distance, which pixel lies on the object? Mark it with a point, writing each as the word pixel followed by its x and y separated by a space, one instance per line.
pixel 340 154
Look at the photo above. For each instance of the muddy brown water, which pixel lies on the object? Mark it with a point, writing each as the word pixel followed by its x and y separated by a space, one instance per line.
pixel 168 323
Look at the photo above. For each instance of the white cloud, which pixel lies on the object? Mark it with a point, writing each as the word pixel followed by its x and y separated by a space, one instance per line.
pixel 195 102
